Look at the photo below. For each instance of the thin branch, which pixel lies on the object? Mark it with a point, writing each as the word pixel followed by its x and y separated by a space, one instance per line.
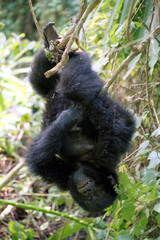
pixel 11 174
pixel 35 19
pixel 155 113
pixel 135 160
pixel 138 49
pixel 128 20
pixel 133 157
pixel 63 43
pixel 65 223
pixel 109 229
pixel 119 69
pixel 64 59
pixel 136 11
pixel 147 28
pixel 82 7
pixel 147 84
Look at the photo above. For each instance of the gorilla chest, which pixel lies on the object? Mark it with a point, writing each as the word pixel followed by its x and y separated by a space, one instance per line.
pixel 78 148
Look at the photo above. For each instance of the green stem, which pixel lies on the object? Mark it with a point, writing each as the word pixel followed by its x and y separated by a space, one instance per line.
pixel 63 215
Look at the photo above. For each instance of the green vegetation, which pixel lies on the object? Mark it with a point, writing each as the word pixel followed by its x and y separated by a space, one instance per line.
pixel 110 34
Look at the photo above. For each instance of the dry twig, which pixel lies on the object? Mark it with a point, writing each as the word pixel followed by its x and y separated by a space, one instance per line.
pixel 11 174
pixel 35 19
pixel 128 21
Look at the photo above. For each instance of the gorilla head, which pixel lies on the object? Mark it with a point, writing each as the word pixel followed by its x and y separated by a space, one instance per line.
pixel 92 189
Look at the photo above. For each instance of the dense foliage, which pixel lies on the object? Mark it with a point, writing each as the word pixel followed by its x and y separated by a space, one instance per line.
pixel 136 213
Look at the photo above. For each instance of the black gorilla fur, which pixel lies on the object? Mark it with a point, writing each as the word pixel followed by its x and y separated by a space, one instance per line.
pixel 83 134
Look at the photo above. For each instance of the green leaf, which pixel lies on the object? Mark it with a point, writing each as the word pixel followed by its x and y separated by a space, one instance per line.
pixel 148 175
pixel 140 226
pixel 145 16
pixel 154 158
pixel 109 25
pixel 157 208
pixel 153 54
pixel 70 228
pixel 14 227
pixel 44 226
pixel 3 40
pixel 123 235
pixel 30 234
pixel 142 147
pixel 132 65
pixel 156 132
pixel 128 210
pixel 125 9
pixel 16 84
pixel 124 180
pixel 2 105
pixel 158 220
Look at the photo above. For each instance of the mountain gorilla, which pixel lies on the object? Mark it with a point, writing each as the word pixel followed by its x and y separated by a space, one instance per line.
pixel 83 134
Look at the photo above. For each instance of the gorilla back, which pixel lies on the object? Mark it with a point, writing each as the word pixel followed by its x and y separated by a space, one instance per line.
pixel 83 134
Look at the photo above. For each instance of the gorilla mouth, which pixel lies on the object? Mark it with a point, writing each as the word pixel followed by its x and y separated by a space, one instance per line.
pixel 84 185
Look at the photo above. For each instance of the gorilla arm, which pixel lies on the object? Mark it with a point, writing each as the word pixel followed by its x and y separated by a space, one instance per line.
pixel 44 156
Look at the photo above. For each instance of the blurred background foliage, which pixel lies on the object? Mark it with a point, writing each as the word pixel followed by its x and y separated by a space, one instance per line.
pixel 18 12
pixel 136 213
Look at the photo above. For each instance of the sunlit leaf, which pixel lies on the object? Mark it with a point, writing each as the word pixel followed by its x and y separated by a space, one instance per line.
pixel 153 54
pixel 124 11
pixel 128 215
pixel 143 147
pixel 44 226
pixel 70 228
pixel 110 22
pixel 2 104
pixel 154 158
pixel 3 40
pixel 16 85
pixel 132 65
pixel 156 132
pixel 123 235
pixel 157 208
pixel 140 225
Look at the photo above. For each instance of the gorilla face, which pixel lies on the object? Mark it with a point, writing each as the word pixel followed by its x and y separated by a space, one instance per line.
pixel 92 190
